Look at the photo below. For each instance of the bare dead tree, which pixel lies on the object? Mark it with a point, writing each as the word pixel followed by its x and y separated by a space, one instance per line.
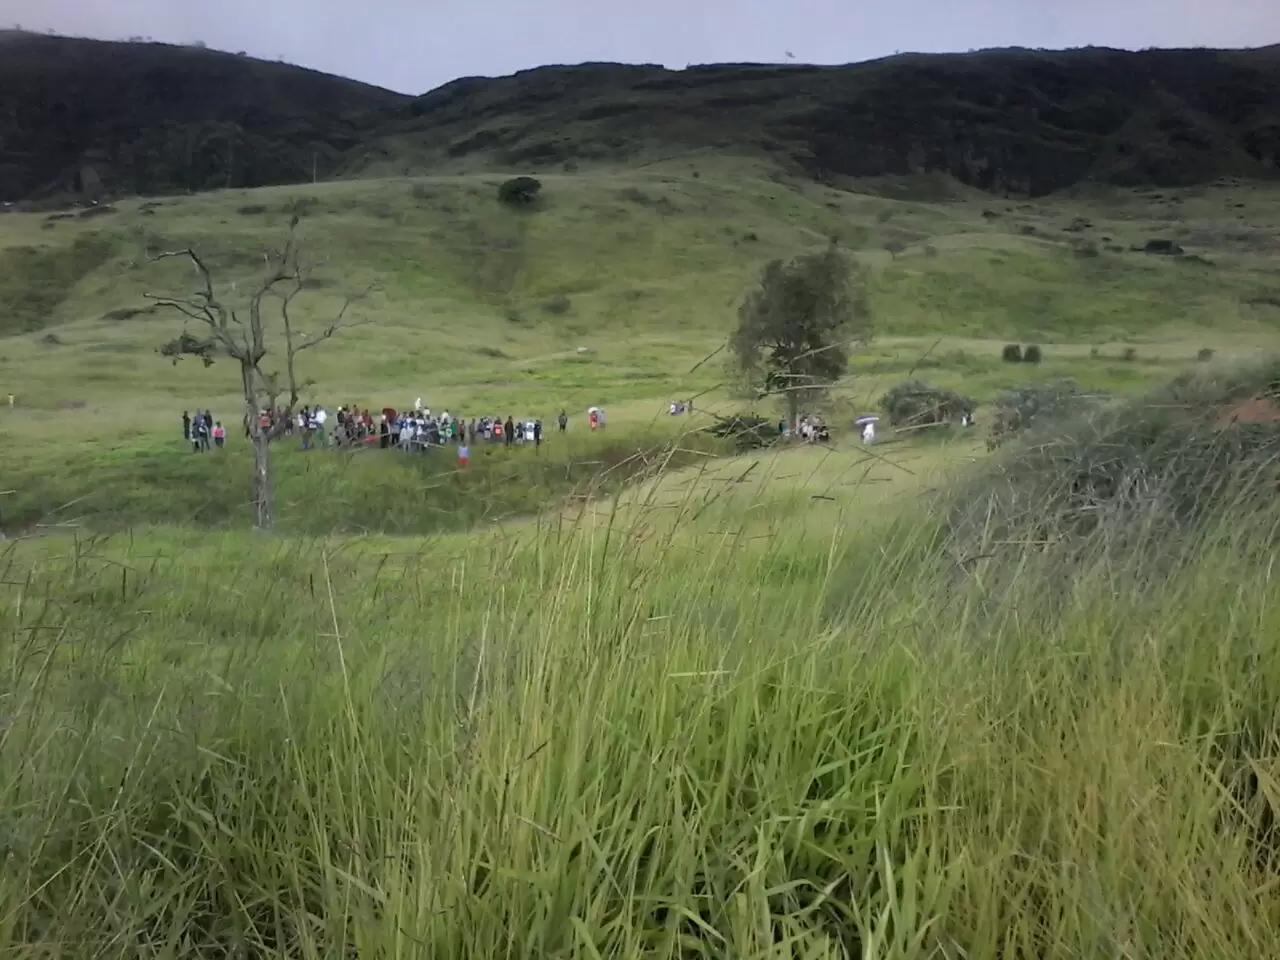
pixel 241 335
pixel 295 341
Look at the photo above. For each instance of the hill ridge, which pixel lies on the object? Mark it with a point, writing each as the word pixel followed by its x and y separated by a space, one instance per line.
pixel 158 118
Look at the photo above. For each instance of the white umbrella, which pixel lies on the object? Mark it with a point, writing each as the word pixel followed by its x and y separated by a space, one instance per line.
pixel 593 409
pixel 863 421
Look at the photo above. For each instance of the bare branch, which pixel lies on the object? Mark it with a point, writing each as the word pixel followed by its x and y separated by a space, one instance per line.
pixel 185 307
pixel 339 322
pixel 199 264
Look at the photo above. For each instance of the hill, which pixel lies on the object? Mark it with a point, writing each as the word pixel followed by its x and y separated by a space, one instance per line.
pixel 154 118
pixel 150 118
pixel 1006 121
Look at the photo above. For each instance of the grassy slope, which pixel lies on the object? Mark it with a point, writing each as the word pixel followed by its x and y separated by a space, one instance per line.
pixel 737 706
pixel 653 263
pixel 664 736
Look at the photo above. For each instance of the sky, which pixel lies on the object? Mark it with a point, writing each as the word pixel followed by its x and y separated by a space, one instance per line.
pixel 416 45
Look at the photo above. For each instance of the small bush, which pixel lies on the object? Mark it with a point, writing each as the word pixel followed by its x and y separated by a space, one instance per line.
pixel 1031 353
pixel 1095 352
pixel 1162 248
pixel 895 247
pixel 1204 355
pixel 558 305
pixel 252 210
pixel 746 431
pixel 917 404
pixel 1129 354
pixel 1019 408
pixel 1012 353
pixel 519 191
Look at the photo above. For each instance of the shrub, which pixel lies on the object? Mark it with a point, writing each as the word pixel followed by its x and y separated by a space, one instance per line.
pixel 1031 353
pixel 1136 472
pixel 1163 248
pixel 1204 355
pixel 558 305
pixel 914 403
pixel 1129 354
pixel 1019 408
pixel 1012 353
pixel 746 431
pixel 895 247
pixel 519 191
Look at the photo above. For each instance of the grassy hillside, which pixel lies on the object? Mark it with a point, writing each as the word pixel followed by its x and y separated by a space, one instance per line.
pixel 632 694
pixel 614 290
pixel 148 118
pixel 694 727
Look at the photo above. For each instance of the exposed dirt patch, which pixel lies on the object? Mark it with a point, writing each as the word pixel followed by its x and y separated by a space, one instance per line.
pixel 1254 410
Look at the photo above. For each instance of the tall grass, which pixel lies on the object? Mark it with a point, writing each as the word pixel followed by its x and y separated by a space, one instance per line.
pixel 589 742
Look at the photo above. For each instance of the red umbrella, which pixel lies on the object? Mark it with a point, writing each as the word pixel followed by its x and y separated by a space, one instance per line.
pixel 389 413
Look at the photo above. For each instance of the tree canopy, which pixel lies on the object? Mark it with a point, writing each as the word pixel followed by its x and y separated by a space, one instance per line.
pixel 796 329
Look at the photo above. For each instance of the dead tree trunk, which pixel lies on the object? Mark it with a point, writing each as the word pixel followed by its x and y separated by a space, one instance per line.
pixel 244 339
pixel 260 440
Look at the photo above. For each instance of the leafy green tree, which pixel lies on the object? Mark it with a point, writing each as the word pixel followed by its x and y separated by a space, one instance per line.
pixel 795 330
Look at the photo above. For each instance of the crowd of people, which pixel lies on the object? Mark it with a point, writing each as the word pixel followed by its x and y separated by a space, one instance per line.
pixel 414 430
pixel 202 431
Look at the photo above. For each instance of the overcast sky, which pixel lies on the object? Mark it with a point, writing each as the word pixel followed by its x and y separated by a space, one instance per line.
pixel 416 45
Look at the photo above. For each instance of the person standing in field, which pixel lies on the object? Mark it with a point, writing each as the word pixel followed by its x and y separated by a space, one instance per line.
pixel 537 434
pixel 564 421
pixel 509 430
pixel 219 435
pixel 186 425
pixel 321 416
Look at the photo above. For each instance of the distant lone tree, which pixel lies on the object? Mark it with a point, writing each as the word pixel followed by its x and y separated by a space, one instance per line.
pixel 519 191
pixel 240 332
pixel 795 330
